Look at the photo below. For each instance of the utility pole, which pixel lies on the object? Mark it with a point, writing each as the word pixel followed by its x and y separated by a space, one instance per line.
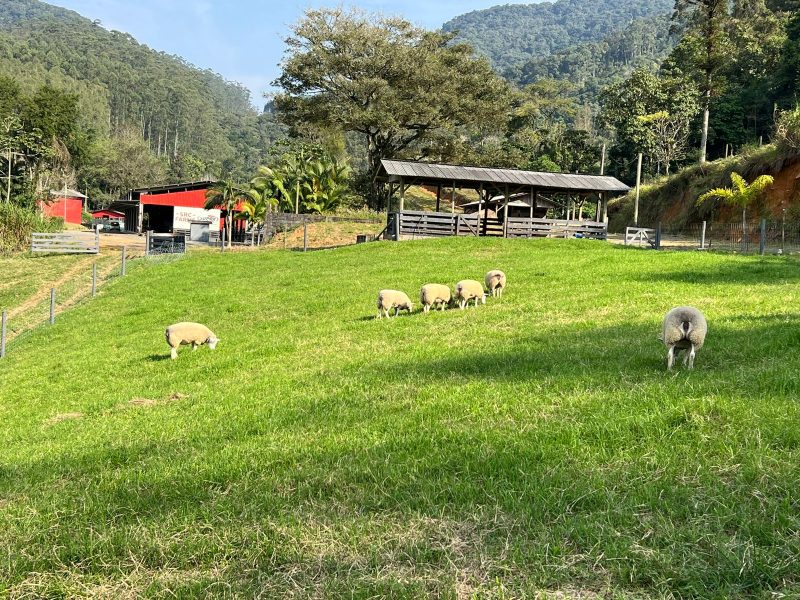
pixel 638 190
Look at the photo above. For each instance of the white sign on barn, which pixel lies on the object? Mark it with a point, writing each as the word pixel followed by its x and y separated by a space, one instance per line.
pixel 185 216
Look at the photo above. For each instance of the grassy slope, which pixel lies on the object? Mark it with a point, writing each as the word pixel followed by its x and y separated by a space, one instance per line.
pixel 673 201
pixel 534 444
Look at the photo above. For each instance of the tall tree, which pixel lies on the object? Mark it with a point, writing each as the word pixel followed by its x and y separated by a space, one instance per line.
pixel 397 86
pixel 704 49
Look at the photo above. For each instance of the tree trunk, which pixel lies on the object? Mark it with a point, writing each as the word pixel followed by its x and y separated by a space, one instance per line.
pixel 230 229
pixel 704 137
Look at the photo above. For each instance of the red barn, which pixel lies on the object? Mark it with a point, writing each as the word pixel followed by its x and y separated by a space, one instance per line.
pixel 178 208
pixel 66 204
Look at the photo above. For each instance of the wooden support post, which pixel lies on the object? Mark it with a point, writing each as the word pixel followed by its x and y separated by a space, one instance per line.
pixel 94 280
pixel 480 203
pixel 52 306
pixel 439 198
pixel 762 247
pixel 397 217
pixel 638 191
pixel 458 225
pixel 453 199
pixel 124 268
pixel 402 195
pixel 505 212
pixel 658 236
pixel 3 323
pixel 603 161
pixel 605 208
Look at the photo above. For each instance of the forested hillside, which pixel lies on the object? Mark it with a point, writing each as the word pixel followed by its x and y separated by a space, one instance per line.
pixel 512 35
pixel 195 120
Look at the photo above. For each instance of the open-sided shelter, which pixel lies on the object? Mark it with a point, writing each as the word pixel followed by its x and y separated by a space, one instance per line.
pixel 512 185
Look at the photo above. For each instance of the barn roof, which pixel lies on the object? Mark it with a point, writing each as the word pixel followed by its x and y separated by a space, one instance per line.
pixel 420 173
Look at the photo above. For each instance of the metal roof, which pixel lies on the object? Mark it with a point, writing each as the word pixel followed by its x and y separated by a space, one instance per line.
pixel 176 187
pixel 447 174
pixel 67 193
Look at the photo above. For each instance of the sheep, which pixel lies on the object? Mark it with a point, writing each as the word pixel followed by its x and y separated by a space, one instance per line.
pixel 433 294
pixel 467 290
pixel 392 299
pixel 182 334
pixel 496 283
pixel 685 328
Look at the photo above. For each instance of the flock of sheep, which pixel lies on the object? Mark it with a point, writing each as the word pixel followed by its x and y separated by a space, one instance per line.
pixel 684 327
pixel 434 294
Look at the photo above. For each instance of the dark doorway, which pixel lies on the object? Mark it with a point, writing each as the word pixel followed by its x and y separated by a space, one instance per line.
pixel 159 219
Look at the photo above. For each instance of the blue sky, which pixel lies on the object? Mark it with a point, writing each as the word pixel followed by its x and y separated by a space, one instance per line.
pixel 242 40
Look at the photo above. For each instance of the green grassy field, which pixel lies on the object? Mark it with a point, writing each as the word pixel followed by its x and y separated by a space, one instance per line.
pixel 534 447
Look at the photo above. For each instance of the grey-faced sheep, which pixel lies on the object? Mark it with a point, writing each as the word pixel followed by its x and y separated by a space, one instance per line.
pixel 467 290
pixel 685 328
pixel 183 334
pixel 392 299
pixel 434 294
pixel 496 283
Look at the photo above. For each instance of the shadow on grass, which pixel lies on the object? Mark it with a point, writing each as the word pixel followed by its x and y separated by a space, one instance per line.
pixel 154 358
pixel 770 272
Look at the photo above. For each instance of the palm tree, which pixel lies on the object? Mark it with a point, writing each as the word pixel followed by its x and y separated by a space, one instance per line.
pixel 325 185
pixel 227 196
pixel 254 209
pixel 741 195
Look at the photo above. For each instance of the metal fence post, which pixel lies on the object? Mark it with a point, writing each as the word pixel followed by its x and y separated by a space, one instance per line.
pixel 147 243
pixel 284 235
pixel 703 237
pixel 762 247
pixel 3 321
pixel 658 236
pixel 397 217
pixel 305 235
pixel 52 306
pixel 124 261
pixel 94 280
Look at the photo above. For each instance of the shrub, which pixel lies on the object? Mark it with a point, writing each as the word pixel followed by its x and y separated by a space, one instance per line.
pixel 787 130
pixel 17 224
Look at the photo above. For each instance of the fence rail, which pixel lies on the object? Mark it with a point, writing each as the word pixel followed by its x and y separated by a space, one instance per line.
pixel 157 244
pixel 66 243
pixel 411 224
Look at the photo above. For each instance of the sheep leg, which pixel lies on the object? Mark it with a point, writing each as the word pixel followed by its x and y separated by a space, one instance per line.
pixel 671 358
pixel 441 309
pixel 194 346
pixel 690 356
pixel 173 352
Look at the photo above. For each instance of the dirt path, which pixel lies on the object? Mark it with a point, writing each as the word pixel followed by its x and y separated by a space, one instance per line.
pixel 44 290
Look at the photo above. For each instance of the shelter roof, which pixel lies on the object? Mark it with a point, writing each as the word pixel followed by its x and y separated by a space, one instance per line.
pixel 465 176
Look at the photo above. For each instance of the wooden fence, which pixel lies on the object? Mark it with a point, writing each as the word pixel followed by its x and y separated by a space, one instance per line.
pixel 412 224
pixel 66 243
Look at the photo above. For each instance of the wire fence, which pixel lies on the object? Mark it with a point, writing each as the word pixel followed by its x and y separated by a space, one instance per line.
pixel 758 237
pixel 78 284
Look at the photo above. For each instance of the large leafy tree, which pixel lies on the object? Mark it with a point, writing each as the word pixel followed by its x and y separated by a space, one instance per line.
pixel 397 86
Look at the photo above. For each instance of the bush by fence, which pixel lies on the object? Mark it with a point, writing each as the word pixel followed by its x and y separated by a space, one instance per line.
pixel 17 224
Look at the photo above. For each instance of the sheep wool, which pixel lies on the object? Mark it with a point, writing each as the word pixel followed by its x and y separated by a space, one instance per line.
pixel 685 329
pixel 496 283
pixel 434 294
pixel 184 334
pixel 392 299
pixel 467 290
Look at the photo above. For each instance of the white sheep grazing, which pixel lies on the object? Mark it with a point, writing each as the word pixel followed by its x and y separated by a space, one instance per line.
pixel 183 334
pixel 392 299
pixel 685 328
pixel 433 294
pixel 496 283
pixel 467 290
